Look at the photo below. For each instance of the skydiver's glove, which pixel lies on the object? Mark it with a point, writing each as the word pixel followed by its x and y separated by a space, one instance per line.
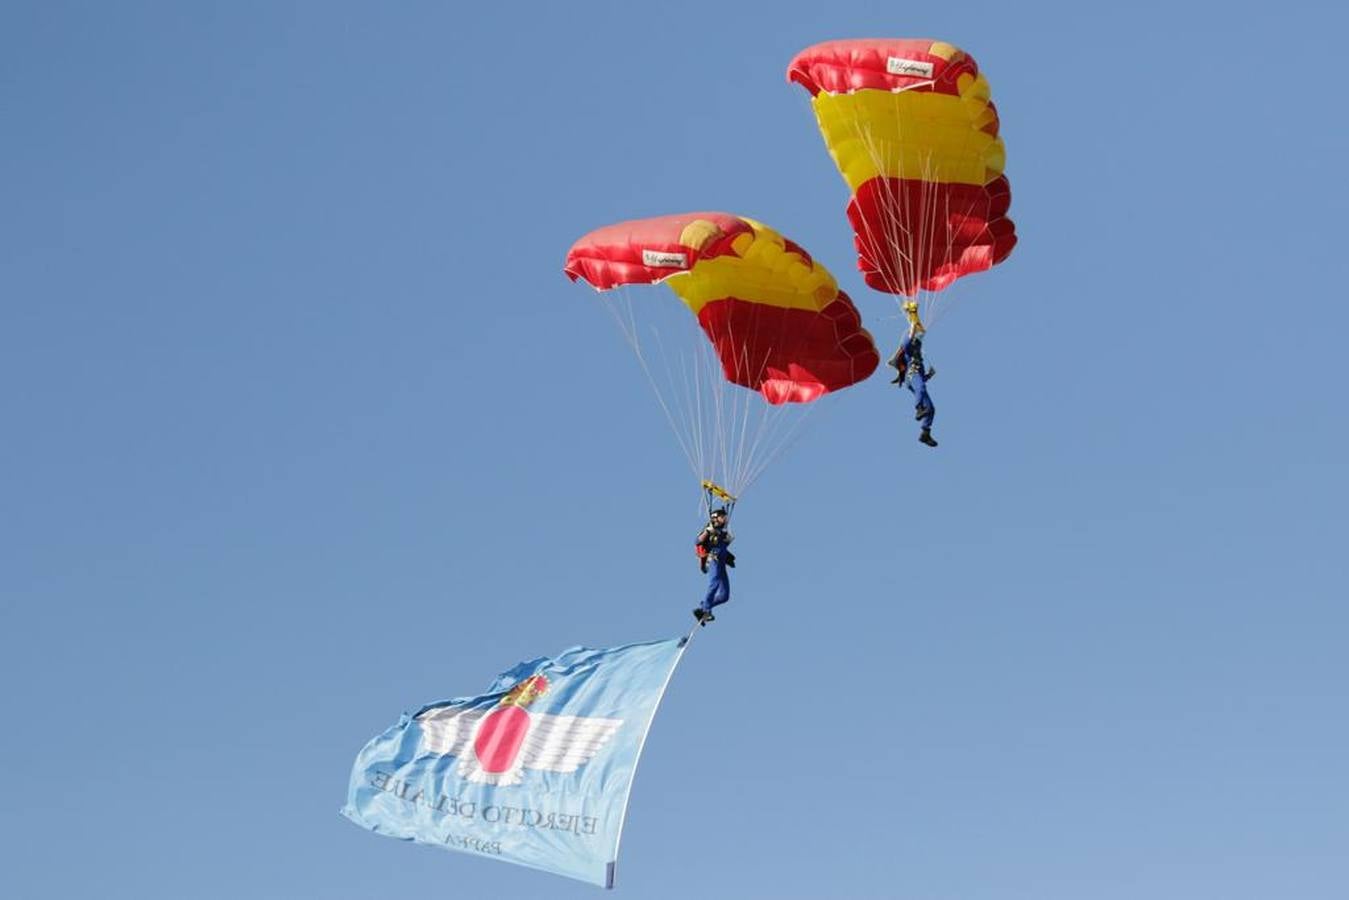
pixel 931 374
pixel 730 560
pixel 702 564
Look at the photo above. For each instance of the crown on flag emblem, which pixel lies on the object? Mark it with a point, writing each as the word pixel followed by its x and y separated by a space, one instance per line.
pixel 526 692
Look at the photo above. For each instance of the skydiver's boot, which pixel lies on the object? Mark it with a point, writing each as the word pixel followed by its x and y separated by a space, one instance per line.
pixel 708 617
pixel 927 438
pixel 700 614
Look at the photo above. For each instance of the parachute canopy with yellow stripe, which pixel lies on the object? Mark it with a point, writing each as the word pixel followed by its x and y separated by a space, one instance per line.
pixel 914 132
pixel 776 318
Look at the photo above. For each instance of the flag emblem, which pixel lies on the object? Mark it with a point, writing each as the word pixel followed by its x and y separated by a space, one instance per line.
pixel 495 746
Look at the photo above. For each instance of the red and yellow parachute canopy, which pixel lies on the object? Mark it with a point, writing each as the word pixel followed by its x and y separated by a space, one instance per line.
pixel 914 133
pixel 776 318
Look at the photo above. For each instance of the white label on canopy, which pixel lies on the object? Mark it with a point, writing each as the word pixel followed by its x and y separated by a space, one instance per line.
pixel 664 259
pixel 898 66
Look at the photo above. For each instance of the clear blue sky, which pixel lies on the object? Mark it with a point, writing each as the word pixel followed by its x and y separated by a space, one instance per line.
pixel 302 427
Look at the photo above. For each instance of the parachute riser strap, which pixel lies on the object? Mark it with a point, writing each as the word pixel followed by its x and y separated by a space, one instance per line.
pixel 716 495
pixel 915 323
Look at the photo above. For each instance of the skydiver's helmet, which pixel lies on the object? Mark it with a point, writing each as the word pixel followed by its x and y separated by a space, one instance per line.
pixel 718 513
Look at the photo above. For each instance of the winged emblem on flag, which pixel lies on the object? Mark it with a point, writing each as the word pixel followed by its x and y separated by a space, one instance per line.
pixel 496 745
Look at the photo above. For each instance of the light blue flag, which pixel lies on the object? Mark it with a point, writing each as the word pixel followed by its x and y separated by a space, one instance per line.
pixel 536 771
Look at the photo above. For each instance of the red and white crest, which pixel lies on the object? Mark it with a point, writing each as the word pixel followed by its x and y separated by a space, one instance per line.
pixel 495 746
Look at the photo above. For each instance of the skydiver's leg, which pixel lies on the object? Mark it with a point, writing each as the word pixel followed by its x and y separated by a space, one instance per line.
pixel 923 410
pixel 921 401
pixel 710 598
pixel 718 588
pixel 724 589
pixel 918 384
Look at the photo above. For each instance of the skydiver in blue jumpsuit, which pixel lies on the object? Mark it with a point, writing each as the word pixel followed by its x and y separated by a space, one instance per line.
pixel 714 558
pixel 908 359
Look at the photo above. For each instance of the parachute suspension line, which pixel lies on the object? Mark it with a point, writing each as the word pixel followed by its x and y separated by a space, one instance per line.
pixel 694 389
pixel 725 411
pixel 932 310
pixel 727 432
pixel 739 454
pixel 887 245
pixel 700 391
pixel 731 412
pixel 689 423
pixel 686 379
pixel 722 408
pixel 904 253
pixel 719 465
pixel 898 253
pixel 742 447
pixel 628 326
pixel 878 245
pixel 906 257
pixel 709 417
pixel 907 253
pixel 767 432
pixel 738 420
